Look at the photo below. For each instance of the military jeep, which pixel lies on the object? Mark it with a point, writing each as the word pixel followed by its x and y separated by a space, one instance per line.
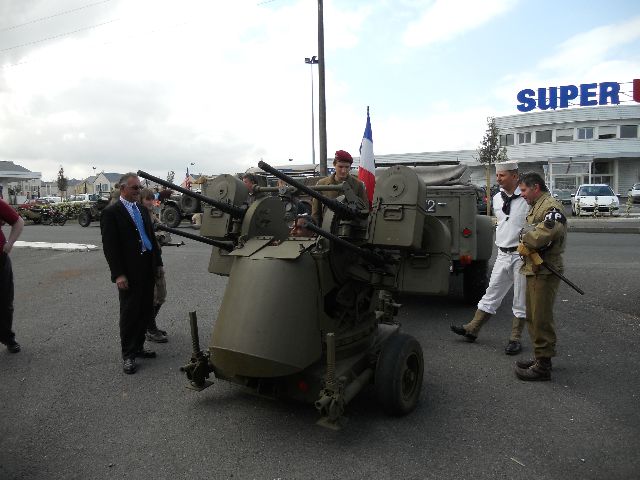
pixel 459 240
pixel 92 211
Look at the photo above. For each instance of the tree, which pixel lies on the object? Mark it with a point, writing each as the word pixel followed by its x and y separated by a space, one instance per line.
pixel 489 153
pixel 62 181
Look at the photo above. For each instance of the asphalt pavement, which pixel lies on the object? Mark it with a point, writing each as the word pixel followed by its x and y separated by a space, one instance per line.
pixel 68 411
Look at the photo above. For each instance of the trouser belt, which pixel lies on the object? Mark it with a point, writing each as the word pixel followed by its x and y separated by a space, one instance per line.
pixel 508 249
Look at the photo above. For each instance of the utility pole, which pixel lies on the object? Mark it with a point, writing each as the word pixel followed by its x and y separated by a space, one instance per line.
pixel 322 106
pixel 311 61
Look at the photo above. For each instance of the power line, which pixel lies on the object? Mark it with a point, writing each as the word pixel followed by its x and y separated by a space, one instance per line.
pixel 59 35
pixel 36 20
pixel 113 42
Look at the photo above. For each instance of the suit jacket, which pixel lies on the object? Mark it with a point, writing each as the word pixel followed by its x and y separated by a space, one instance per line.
pixel 122 245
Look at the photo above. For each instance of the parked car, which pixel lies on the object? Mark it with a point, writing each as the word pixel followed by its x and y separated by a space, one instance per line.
pixel 635 192
pixel 590 194
pixel 481 201
pixel 84 197
pixel 34 203
pixel 563 196
pixel 52 199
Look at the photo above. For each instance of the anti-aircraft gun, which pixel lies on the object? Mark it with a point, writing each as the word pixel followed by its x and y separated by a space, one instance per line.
pixel 312 317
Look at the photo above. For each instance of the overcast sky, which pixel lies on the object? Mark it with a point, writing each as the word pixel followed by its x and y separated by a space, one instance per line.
pixel 157 85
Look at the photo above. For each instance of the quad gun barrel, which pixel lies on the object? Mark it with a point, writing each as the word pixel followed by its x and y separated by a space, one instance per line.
pixel 233 210
pixel 344 210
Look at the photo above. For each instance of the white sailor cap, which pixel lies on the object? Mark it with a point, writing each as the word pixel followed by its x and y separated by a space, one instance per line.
pixel 506 166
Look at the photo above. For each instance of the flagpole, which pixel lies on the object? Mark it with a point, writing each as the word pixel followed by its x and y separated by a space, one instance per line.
pixel 322 106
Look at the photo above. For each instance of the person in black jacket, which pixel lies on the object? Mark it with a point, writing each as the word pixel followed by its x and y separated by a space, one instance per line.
pixel 134 258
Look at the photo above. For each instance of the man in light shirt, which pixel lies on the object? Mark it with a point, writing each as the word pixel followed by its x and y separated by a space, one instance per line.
pixel 134 259
pixel 510 210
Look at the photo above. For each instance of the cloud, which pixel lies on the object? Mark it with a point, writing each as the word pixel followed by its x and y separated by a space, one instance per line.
pixel 444 20
pixel 588 57
pixel 592 47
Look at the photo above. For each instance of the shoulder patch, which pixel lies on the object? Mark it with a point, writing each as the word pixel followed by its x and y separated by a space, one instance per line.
pixel 554 215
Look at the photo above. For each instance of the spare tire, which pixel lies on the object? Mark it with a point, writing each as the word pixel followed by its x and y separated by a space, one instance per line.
pixel 189 204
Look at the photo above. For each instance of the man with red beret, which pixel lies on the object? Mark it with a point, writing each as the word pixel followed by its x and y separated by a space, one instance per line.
pixel 342 164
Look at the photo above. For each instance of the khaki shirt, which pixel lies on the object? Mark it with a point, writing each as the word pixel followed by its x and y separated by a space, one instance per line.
pixel 548 235
pixel 356 185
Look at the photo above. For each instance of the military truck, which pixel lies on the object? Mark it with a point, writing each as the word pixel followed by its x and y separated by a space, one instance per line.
pixel 459 240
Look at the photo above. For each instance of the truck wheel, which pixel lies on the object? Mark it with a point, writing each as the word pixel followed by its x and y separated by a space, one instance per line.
pixel 399 373
pixel 475 281
pixel 84 219
pixel 171 216
pixel 189 204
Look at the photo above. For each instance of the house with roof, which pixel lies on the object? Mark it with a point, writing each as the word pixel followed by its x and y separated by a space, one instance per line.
pixel 23 182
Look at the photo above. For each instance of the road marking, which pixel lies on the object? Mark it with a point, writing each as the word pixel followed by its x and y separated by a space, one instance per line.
pixel 70 247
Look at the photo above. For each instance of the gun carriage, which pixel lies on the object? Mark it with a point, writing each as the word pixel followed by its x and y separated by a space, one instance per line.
pixel 312 317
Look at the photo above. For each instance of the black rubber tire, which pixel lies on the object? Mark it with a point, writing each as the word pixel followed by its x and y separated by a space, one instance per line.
pixel 84 219
pixel 475 280
pixel 46 219
pixel 399 372
pixel 61 220
pixel 189 204
pixel 171 216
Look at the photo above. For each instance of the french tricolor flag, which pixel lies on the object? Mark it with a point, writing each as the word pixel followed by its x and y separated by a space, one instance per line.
pixel 367 168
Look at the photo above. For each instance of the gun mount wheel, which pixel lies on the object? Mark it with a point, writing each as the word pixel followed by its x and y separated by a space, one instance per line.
pixel 61 220
pixel 475 281
pixel 171 216
pixel 84 219
pixel 399 372
pixel 46 219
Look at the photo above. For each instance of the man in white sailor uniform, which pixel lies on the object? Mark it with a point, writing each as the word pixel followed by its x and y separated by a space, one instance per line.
pixel 510 210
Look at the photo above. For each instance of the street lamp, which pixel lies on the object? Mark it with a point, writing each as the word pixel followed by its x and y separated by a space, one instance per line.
pixel 311 62
pixel 94 179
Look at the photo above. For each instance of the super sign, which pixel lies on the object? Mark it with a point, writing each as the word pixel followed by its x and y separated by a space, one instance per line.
pixel 587 94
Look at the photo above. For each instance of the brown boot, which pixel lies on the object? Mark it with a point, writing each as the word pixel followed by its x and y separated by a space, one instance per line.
pixel 479 319
pixel 540 370
pixel 524 364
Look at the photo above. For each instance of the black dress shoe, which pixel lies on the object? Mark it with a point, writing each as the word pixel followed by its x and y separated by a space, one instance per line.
pixel 13 347
pixel 146 354
pixel 129 366
pixel 513 347
pixel 461 331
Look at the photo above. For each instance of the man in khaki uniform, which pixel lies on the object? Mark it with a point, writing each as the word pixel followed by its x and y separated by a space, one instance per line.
pixel 545 234
pixel 342 163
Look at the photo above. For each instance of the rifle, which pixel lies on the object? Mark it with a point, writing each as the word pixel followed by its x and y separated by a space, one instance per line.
pixel 537 260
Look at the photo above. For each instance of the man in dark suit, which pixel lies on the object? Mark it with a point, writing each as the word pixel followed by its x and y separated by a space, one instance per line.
pixel 134 258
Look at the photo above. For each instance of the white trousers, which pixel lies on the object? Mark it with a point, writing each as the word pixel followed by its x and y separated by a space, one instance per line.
pixel 505 273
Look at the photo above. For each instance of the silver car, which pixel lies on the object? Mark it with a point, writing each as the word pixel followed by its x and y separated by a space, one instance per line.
pixel 635 192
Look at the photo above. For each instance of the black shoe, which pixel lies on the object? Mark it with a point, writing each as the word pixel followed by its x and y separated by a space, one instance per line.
pixel 129 366
pixel 513 347
pixel 469 337
pixel 13 347
pixel 146 354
